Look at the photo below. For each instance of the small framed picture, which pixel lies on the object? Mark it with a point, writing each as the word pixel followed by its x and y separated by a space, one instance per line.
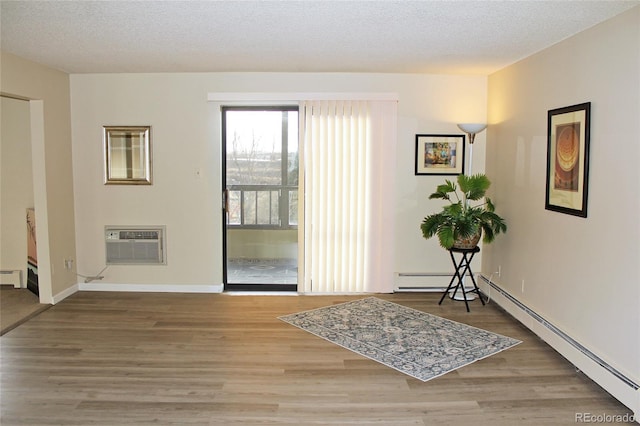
pixel 127 155
pixel 439 154
pixel 568 159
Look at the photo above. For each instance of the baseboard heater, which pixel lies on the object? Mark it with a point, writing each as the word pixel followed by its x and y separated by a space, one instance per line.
pixel 17 272
pixel 425 281
pixel 425 274
pixel 564 336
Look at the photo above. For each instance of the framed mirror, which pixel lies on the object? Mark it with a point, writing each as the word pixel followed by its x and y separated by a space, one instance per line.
pixel 127 159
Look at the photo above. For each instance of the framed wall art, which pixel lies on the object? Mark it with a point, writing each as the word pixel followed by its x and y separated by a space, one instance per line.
pixel 127 155
pixel 439 154
pixel 568 159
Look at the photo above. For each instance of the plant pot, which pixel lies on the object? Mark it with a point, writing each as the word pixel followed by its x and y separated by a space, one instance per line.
pixel 468 243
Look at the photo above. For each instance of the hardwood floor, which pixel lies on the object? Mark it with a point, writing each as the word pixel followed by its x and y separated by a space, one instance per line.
pixel 17 305
pixel 209 359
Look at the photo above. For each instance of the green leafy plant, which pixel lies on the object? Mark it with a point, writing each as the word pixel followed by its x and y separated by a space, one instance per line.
pixel 459 219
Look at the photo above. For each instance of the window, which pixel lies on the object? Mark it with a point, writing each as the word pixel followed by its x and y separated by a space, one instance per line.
pixel 261 161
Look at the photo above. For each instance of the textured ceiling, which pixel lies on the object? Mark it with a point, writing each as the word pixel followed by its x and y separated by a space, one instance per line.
pixel 453 37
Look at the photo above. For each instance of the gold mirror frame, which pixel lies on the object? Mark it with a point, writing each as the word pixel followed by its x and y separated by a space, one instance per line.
pixel 127 159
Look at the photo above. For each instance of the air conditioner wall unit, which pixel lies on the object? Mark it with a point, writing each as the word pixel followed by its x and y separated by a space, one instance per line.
pixel 135 245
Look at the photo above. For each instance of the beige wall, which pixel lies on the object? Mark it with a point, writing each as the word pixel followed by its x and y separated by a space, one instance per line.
pixel 52 167
pixel 186 138
pixel 16 186
pixel 581 274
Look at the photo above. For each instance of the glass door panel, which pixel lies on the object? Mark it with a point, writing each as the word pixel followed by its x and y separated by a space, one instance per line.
pixel 261 187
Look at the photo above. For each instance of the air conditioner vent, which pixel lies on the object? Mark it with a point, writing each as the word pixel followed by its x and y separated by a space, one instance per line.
pixel 137 245
pixel 140 235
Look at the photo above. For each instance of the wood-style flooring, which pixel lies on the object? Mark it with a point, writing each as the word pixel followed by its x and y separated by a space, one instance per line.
pixel 17 305
pixel 219 359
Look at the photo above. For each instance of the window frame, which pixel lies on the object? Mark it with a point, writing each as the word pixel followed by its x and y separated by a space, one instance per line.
pixel 284 189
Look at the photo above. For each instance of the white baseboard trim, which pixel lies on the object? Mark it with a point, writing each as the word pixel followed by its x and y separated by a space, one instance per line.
pixel 153 288
pixel 623 388
pixel 64 294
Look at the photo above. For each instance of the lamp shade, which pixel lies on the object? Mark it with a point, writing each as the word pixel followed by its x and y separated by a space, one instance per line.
pixel 472 128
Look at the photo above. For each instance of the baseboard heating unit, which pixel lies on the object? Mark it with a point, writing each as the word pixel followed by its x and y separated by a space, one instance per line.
pixel 425 281
pixel 622 387
pixel 12 276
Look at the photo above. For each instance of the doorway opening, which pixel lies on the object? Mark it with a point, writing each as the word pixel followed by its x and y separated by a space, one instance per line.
pixel 260 189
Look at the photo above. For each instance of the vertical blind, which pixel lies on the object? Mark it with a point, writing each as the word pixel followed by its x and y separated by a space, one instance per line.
pixel 348 155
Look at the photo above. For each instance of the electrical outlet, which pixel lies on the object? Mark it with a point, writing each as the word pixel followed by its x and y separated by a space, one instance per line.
pixel 68 264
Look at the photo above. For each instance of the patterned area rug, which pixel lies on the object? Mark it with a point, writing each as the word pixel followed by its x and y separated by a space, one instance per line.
pixel 416 343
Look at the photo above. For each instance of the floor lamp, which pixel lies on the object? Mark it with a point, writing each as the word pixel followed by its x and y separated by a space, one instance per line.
pixel 471 129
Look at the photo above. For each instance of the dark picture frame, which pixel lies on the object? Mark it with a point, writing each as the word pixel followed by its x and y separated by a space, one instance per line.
pixel 568 138
pixel 439 154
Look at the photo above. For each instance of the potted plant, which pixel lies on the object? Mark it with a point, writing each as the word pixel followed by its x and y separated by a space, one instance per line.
pixel 460 224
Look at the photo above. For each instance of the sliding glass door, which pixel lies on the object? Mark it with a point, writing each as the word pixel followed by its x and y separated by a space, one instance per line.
pixel 260 189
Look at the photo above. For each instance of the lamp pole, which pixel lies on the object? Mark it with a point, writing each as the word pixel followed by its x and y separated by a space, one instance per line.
pixel 471 129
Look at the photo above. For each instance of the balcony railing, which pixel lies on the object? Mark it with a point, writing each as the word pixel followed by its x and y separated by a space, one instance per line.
pixel 262 206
